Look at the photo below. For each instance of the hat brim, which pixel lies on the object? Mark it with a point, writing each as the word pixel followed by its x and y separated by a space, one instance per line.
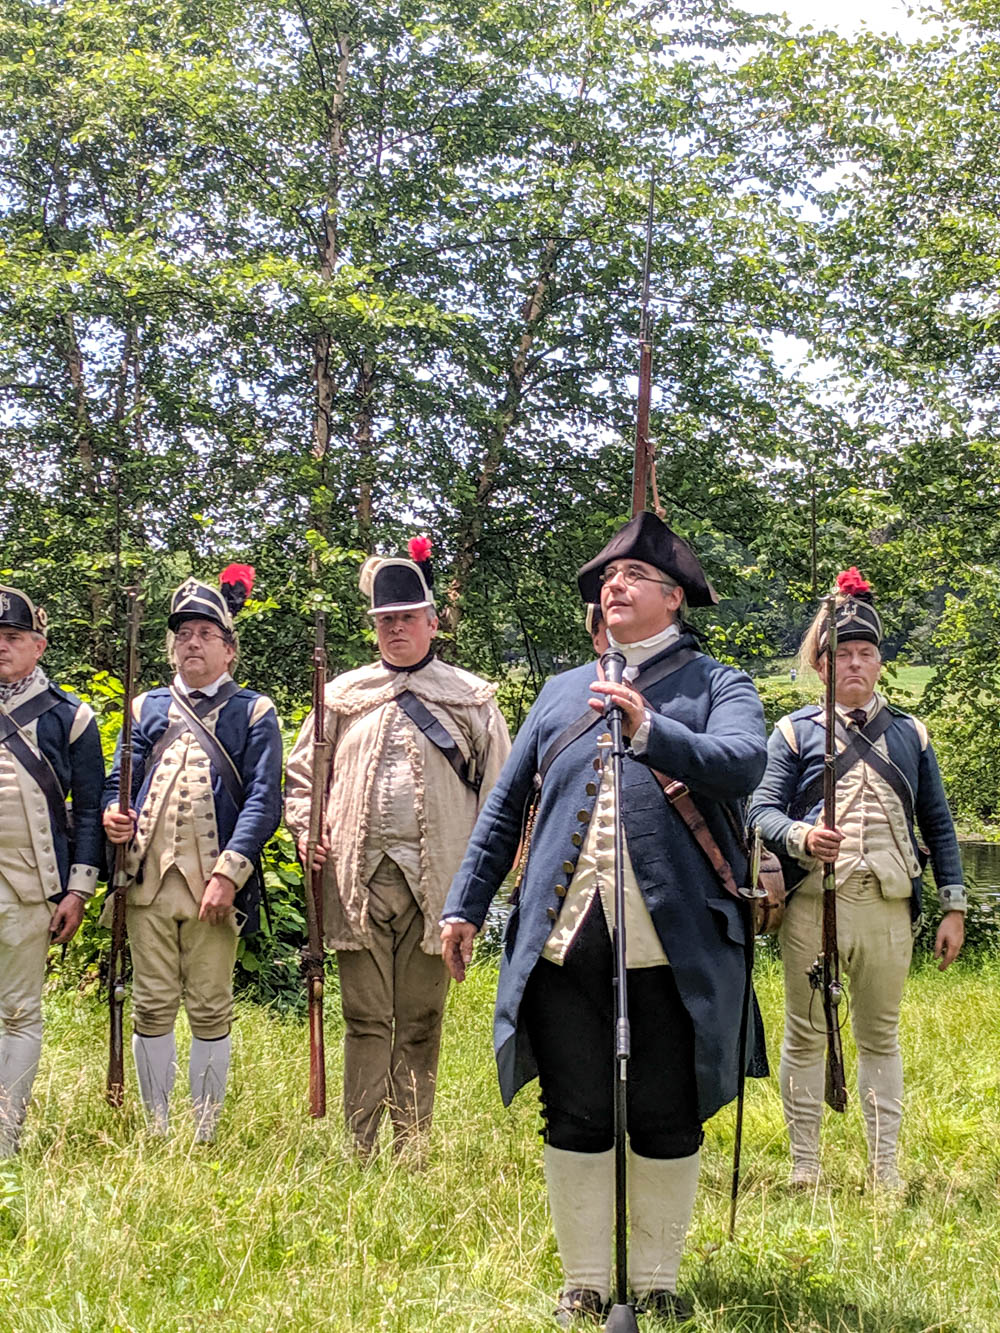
pixel 399 606
pixel 647 538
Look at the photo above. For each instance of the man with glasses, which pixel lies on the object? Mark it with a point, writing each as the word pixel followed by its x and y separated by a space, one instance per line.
pixel 206 784
pixel 700 722
pixel 49 748
pixel 887 778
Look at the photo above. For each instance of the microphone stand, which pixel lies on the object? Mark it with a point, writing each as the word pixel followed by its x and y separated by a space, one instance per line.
pixel 622 1316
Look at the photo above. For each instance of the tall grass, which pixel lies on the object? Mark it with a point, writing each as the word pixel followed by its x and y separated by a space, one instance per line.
pixel 276 1228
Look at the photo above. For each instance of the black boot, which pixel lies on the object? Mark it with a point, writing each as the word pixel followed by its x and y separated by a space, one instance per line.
pixel 666 1305
pixel 581 1304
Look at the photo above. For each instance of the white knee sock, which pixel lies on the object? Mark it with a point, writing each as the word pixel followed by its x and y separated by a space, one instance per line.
pixel 208 1071
pixel 660 1201
pixel 19 1056
pixel 880 1091
pixel 581 1199
pixel 156 1068
pixel 802 1097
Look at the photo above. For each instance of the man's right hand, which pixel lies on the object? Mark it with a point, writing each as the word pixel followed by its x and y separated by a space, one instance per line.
pixel 321 853
pixel 119 827
pixel 456 944
pixel 824 843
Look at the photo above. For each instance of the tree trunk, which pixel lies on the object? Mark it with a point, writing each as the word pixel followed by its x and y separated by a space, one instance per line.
pixel 471 531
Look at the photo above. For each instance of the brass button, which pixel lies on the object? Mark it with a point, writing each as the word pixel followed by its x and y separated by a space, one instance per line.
pixel 583 816
pixel 568 868
pixel 597 765
pixel 591 788
pixel 577 840
pixel 551 913
pixel 560 890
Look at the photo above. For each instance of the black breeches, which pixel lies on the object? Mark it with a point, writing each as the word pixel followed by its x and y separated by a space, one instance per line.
pixel 569 1012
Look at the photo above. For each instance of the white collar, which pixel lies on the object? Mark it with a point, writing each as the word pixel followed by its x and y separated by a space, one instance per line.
pixel 207 690
pixel 637 653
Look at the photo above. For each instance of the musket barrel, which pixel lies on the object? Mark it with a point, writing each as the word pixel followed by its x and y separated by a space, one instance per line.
pixel 313 885
pixel 642 460
pixel 115 1087
pixel 832 988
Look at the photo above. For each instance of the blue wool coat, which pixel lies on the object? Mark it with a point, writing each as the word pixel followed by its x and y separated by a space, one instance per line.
pixel 708 731
pixel 256 752
pixel 789 772
pixel 79 766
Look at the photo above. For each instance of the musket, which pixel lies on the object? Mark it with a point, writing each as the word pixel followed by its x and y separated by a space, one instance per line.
pixel 312 955
pixel 642 467
pixel 120 881
pixel 824 976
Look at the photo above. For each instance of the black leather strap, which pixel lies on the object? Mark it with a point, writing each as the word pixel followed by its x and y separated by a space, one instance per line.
pixel 657 672
pixel 217 753
pixel 853 751
pixel 439 736
pixel 36 765
pixel 204 705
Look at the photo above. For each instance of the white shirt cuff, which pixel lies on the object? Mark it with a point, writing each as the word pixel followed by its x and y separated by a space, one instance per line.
pixel 82 880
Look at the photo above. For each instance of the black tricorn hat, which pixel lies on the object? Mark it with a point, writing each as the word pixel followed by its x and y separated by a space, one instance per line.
pixel 646 537
pixel 18 611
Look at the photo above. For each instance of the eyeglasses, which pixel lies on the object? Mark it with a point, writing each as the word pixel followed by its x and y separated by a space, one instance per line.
pixel 631 575
pixel 196 636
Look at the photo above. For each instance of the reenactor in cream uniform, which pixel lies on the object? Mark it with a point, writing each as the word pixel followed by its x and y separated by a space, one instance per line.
pixel 888 787
pixel 417 746
pixel 206 782
pixel 49 749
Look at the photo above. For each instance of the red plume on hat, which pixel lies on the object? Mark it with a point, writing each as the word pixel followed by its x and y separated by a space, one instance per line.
pixel 236 582
pixel 851 584
pixel 420 553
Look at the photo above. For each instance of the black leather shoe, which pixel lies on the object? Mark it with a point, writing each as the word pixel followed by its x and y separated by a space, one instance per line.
pixel 666 1305
pixel 578 1305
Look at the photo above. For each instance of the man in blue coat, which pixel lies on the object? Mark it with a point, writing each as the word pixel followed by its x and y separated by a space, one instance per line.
pixel 49 749
pixel 697 721
pixel 206 783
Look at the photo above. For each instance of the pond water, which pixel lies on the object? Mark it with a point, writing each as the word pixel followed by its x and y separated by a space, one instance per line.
pixel 981 861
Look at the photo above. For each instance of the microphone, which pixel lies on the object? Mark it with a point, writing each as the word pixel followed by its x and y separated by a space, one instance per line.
pixel 613 666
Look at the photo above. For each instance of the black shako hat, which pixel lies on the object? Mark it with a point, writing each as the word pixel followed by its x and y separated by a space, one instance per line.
pixel 396 584
pixel 646 537
pixel 18 611
pixel 856 617
pixel 195 600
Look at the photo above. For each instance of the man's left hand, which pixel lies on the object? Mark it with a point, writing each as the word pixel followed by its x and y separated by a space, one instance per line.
pixel 629 700
pixel 217 900
pixel 950 938
pixel 66 918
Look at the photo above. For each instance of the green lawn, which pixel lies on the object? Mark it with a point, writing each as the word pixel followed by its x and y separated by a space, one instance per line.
pixel 275 1228
pixel 903 684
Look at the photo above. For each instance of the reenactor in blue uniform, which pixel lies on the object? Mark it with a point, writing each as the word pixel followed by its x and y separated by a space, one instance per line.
pixel 49 750
pixel 888 786
pixel 206 782
pixel 697 721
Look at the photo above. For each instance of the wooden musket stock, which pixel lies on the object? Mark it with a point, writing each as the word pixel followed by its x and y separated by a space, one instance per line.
pixel 825 973
pixel 119 884
pixel 312 955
